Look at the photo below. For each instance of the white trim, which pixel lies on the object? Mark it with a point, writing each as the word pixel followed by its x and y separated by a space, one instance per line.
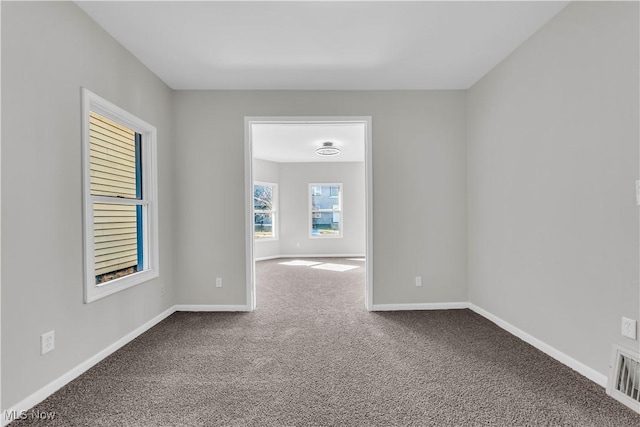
pixel 248 168
pixel 0 221
pixel 83 367
pixel 420 306
pixel 561 357
pixel 267 258
pixel 249 225
pixel 46 391
pixel 210 307
pixel 368 194
pixel 99 105
pixel 61 381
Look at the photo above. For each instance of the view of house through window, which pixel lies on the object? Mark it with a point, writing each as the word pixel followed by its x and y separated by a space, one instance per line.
pixel 326 210
pixel 264 210
pixel 120 188
pixel 115 166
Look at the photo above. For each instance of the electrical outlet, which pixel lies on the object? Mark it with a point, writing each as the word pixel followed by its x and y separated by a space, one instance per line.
pixel 638 193
pixel 629 328
pixel 218 282
pixel 47 342
pixel 418 280
pixel 162 290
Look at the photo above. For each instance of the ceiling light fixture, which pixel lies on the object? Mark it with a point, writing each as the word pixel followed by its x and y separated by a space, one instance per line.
pixel 327 149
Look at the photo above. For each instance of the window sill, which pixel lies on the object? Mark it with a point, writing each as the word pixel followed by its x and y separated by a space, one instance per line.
pixel 100 291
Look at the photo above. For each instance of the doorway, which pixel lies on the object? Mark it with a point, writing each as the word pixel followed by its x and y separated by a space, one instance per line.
pixel 269 219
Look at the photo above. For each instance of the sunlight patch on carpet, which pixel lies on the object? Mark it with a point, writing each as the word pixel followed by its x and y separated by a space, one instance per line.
pixel 299 262
pixel 335 267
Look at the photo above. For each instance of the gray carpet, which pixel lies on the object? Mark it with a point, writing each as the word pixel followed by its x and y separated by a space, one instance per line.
pixel 311 355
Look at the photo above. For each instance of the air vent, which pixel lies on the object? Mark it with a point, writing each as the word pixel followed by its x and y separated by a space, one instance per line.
pixel 624 377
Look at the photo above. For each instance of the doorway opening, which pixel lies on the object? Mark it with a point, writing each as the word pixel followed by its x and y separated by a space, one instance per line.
pixel 318 217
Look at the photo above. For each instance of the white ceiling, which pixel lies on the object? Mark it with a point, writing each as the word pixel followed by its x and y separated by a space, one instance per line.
pixel 297 142
pixel 321 45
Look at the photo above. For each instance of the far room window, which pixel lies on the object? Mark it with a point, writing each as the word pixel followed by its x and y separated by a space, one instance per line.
pixel 265 200
pixel 325 210
pixel 120 198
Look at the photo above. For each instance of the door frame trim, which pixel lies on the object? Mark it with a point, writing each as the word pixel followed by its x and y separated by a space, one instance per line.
pixel 248 176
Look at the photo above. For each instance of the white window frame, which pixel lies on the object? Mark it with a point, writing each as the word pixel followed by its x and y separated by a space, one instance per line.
pixel 339 211
pixel 150 270
pixel 274 212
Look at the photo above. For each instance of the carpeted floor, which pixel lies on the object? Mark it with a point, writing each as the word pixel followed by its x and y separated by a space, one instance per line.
pixel 311 355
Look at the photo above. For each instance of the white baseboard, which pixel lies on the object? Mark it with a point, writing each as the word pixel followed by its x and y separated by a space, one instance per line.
pixel 420 306
pixel 61 381
pixel 561 357
pixel 267 258
pixel 74 373
pixel 205 307
pixel 83 367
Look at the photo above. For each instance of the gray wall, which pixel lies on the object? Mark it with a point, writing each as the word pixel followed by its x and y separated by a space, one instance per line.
pixel 293 180
pixel 419 179
pixel 50 51
pixel 551 159
pixel 266 171
pixel 553 155
pixel 294 204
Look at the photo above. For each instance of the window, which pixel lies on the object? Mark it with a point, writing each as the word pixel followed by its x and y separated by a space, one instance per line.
pixel 325 210
pixel 265 199
pixel 120 198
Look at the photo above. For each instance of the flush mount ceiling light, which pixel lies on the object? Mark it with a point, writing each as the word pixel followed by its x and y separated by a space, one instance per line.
pixel 327 149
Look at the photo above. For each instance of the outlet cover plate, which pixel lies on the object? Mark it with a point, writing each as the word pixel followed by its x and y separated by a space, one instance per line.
pixel 47 342
pixel 628 328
